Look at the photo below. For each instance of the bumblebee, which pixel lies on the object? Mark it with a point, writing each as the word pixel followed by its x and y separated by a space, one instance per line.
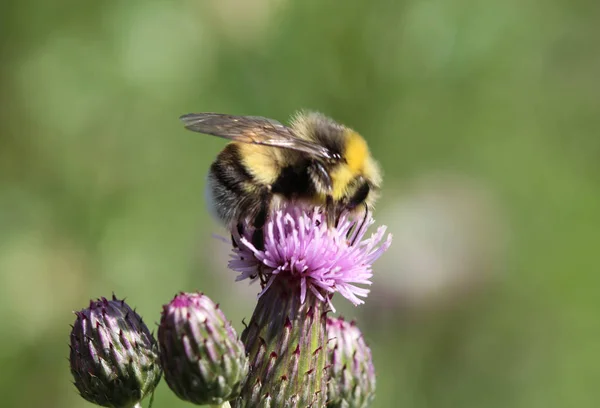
pixel 314 161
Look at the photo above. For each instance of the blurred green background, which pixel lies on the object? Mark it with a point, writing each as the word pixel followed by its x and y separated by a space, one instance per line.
pixel 485 116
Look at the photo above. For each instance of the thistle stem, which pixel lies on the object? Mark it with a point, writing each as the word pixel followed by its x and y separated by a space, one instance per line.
pixel 285 340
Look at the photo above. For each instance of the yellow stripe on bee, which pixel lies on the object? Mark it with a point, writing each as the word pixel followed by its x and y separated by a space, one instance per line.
pixel 356 153
pixel 260 162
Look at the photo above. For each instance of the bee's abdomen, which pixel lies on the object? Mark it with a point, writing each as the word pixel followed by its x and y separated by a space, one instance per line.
pixel 233 190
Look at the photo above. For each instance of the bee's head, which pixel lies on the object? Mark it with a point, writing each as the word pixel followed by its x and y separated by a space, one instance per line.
pixel 350 175
pixel 358 192
pixel 356 178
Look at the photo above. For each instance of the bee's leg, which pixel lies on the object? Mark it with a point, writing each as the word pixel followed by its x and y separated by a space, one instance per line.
pixel 358 227
pixel 338 216
pixel 240 231
pixel 258 236
pixel 258 239
pixel 261 276
pixel 330 212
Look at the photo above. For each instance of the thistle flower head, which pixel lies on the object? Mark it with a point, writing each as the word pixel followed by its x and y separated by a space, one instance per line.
pixel 299 245
pixel 114 357
pixel 351 371
pixel 203 359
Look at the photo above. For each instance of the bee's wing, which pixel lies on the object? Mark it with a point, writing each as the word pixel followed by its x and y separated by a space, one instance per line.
pixel 252 129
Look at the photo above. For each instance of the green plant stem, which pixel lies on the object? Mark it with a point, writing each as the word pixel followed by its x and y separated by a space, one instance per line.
pixel 285 341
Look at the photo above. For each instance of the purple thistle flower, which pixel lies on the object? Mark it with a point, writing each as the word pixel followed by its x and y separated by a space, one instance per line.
pixel 301 265
pixel 299 245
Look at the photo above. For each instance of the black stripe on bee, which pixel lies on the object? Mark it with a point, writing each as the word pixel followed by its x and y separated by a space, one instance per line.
pixel 294 182
pixel 230 170
pixel 233 188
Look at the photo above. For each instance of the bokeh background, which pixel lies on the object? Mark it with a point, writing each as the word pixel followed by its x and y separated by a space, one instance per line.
pixel 485 116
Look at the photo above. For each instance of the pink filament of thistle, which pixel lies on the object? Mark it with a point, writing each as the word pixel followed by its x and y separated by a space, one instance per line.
pixel 299 245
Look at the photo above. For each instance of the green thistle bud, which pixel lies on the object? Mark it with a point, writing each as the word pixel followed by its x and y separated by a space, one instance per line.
pixel 351 371
pixel 285 341
pixel 114 357
pixel 203 359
